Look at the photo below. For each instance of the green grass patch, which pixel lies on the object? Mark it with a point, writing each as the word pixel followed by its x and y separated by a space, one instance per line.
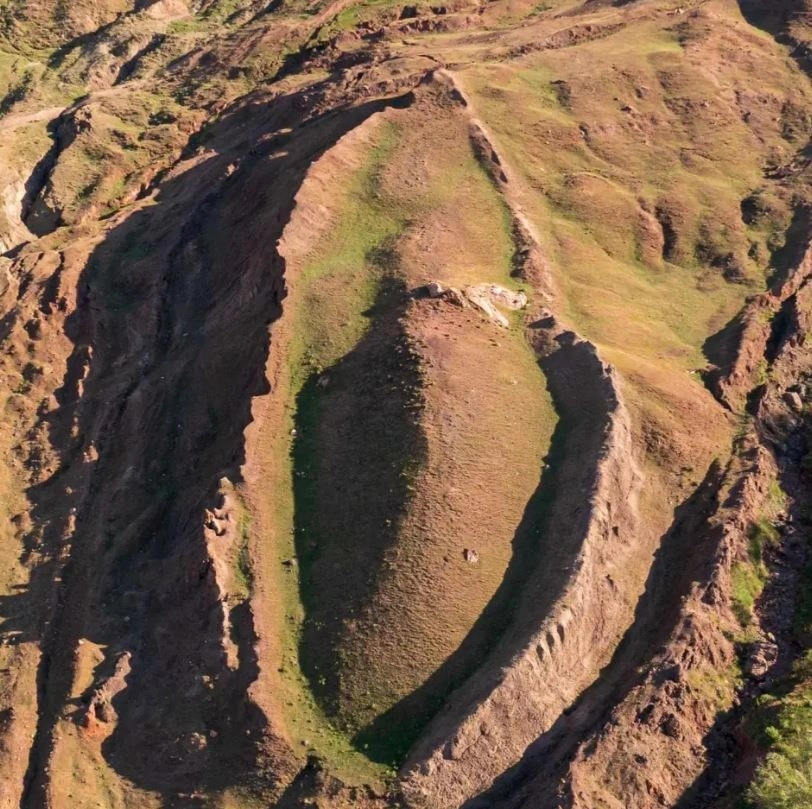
pixel 540 8
pixel 357 13
pixel 243 571
pixel 776 498
pixel 748 577
pixel 784 779
pixel 183 27
pixel 762 534
pixel 747 582
pixel 717 687
pixel 336 293
pixel 330 324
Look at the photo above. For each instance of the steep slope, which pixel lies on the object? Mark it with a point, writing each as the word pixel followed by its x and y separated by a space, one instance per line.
pixel 404 405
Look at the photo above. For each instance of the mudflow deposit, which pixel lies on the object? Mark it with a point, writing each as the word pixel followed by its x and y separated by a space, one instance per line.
pixel 406 404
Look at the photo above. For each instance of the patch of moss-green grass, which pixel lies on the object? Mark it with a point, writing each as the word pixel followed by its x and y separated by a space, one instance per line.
pixel 749 576
pixel 243 572
pixel 336 292
pixel 717 687
pixel 747 583
pixel 351 16
pixel 783 780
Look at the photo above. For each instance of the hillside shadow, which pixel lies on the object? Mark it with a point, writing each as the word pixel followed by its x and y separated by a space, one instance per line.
pixel 544 547
pixel 60 54
pixel 170 346
pixel 390 737
pixel 358 443
pixel 789 255
pixel 774 17
pixel 720 349
pixel 685 556
pixel 762 14
pixel 37 217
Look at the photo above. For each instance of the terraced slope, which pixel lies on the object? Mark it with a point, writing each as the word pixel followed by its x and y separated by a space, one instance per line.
pixel 404 405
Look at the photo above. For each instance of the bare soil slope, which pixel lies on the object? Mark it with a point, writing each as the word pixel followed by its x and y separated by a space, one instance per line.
pixel 404 405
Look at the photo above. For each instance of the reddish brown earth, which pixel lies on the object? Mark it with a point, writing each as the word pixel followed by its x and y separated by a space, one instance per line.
pixel 403 405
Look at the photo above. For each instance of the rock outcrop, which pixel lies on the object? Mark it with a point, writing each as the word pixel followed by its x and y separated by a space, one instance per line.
pixel 357 444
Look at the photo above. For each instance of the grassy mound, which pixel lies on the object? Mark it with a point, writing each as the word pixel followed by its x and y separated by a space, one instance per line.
pixel 401 455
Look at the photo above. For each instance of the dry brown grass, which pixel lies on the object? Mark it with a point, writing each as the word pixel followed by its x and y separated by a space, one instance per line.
pixel 634 146
pixel 388 594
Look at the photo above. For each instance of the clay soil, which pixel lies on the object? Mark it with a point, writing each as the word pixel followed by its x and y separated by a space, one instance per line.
pixel 290 517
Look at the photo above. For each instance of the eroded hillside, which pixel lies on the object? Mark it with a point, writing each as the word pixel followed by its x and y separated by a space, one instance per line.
pixel 405 405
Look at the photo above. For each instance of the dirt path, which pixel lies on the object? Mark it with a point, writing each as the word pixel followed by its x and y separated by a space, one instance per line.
pixel 17 120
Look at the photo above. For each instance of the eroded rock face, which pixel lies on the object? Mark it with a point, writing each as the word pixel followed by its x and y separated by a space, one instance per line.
pixel 163 9
pixel 488 299
pixel 101 707
pixel 359 445
pixel 13 231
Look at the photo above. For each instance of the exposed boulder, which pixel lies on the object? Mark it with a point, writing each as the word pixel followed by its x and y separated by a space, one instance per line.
pixel 100 707
pixel 487 298
pixel 763 656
